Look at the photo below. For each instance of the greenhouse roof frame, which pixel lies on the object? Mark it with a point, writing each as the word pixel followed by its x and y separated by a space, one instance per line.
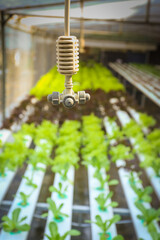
pixel 30 6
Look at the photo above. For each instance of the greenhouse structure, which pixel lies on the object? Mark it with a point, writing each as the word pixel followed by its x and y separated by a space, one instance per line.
pixel 80 120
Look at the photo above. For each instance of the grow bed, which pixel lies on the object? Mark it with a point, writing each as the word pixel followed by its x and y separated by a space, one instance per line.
pixel 82 205
pixel 127 232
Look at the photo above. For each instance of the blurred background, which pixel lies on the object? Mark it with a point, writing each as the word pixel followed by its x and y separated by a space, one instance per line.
pixel 109 30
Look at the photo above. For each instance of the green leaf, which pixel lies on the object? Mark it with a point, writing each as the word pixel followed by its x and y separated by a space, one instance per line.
pixel 53 229
pixel 113 182
pixel 24 228
pixel 118 237
pixel 15 214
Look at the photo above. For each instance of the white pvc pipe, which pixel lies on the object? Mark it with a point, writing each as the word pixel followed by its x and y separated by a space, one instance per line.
pixel 94 210
pixel 155 181
pixel 65 225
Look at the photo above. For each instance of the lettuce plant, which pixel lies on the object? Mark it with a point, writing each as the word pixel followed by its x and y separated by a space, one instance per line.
pixel 146 120
pixel 148 218
pixel 117 134
pixel 54 234
pixel 154 140
pixel 56 210
pixel 148 215
pixel 14 224
pixel 120 152
pixel 47 131
pixel 142 194
pixel 29 181
pixel 24 198
pixel 85 79
pixel 102 180
pixel 60 190
pixel 104 225
pixel 26 130
pixel 99 161
pixel 131 129
pixel 15 153
pixel 102 200
pixel 37 157
pixel 62 169
pixel 153 162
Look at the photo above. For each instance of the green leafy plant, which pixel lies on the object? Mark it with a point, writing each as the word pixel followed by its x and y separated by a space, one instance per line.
pixel 154 140
pixel 14 224
pixel 29 181
pixel 117 134
pixel 120 152
pixel 103 203
pixel 152 161
pixel 148 215
pixel 15 153
pixel 24 198
pixel 143 194
pixel 56 211
pixel 46 131
pixel 1 144
pixel 54 234
pixel 62 169
pixel 37 157
pixel 131 129
pixel 85 79
pixel 104 225
pixel 102 180
pixel 60 190
pixel 26 130
pixel 146 120
pixel 2 165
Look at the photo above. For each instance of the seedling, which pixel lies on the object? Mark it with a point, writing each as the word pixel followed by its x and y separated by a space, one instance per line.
pixel 29 181
pixel 56 211
pixel 24 198
pixel 102 200
pixel 62 169
pixel 54 234
pixel 102 180
pixel 104 225
pixel 14 224
pixel 142 194
pixel 60 190
pixel 148 215
pixel 99 161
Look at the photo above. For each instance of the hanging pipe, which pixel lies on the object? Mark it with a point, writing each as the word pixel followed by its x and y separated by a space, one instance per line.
pixel 67 49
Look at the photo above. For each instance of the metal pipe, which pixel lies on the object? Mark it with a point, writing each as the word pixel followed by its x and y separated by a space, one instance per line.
pixel 3 89
pixel 67 18
pixel 91 19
